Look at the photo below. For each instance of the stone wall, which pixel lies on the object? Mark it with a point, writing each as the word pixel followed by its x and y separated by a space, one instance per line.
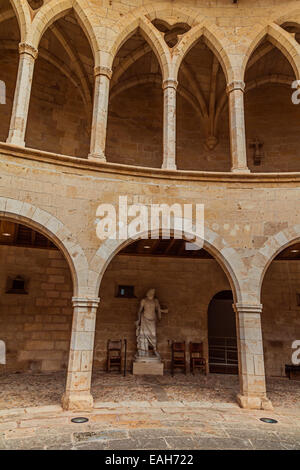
pixel 134 133
pixel 36 327
pixel 281 314
pixel 271 117
pixel 184 287
pixel 57 121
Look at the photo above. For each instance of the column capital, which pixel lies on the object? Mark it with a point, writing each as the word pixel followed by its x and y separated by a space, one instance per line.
pixel 235 85
pixel 248 308
pixel 25 48
pixel 85 302
pixel 102 70
pixel 170 83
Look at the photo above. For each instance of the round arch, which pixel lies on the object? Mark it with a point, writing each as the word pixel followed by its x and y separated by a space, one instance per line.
pixel 222 333
pixel 272 247
pixel 226 256
pixel 55 230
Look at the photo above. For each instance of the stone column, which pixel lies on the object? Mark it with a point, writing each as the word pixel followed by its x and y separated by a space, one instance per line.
pixel 169 138
pixel 77 395
pixel 251 358
pixel 18 122
pixel 235 91
pixel 100 109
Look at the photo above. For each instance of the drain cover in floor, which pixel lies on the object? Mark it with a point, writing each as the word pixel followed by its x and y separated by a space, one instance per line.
pixel 268 420
pixel 79 420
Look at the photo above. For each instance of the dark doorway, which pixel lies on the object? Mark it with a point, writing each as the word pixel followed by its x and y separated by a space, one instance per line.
pixel 222 343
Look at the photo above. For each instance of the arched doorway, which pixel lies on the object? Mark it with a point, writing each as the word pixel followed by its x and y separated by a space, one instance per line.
pixel 35 316
pixel 281 326
pixel 185 281
pixel 222 340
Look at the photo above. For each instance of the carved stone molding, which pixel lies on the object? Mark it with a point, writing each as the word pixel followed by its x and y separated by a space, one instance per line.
pixel 25 48
pixel 170 83
pixel 102 70
pixel 236 85
pixel 83 302
pixel 245 308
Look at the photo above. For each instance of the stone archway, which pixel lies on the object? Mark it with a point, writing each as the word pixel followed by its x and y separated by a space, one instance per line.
pixel 42 261
pixel 227 257
pixel 54 229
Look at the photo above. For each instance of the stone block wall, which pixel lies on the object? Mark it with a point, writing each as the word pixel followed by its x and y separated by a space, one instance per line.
pixel 184 287
pixel 36 327
pixel 57 120
pixel 281 314
pixel 134 132
pixel 271 117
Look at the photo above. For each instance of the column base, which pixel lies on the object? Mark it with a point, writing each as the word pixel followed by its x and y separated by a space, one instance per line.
pixel 165 166
pixel 240 170
pixel 77 401
pixel 254 402
pixel 97 157
pixel 16 141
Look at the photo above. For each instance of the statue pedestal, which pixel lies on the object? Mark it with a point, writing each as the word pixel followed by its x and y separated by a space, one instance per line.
pixel 148 366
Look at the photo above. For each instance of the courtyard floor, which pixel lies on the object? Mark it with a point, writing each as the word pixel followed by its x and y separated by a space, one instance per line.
pixel 180 412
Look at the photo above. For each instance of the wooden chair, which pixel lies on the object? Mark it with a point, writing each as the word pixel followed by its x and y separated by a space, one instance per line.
pixel 178 359
pixel 114 355
pixel 197 361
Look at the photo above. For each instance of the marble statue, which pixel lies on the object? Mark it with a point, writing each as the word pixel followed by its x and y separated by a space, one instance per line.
pixel 148 314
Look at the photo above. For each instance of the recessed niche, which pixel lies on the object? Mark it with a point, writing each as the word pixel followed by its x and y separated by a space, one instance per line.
pixel 16 285
pixel 126 292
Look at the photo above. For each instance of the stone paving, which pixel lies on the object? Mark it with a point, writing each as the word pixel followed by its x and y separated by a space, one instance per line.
pixel 39 389
pixel 150 425
pixel 183 412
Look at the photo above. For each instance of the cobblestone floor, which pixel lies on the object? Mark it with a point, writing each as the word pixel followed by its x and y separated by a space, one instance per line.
pixel 146 413
pixel 34 389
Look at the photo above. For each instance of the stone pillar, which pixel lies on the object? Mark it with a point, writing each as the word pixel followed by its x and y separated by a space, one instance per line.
pixel 77 395
pixel 100 109
pixel 251 358
pixel 169 138
pixel 235 91
pixel 18 122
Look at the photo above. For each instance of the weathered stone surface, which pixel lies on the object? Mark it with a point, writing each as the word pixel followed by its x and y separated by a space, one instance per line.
pixel 148 368
pixel 122 92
